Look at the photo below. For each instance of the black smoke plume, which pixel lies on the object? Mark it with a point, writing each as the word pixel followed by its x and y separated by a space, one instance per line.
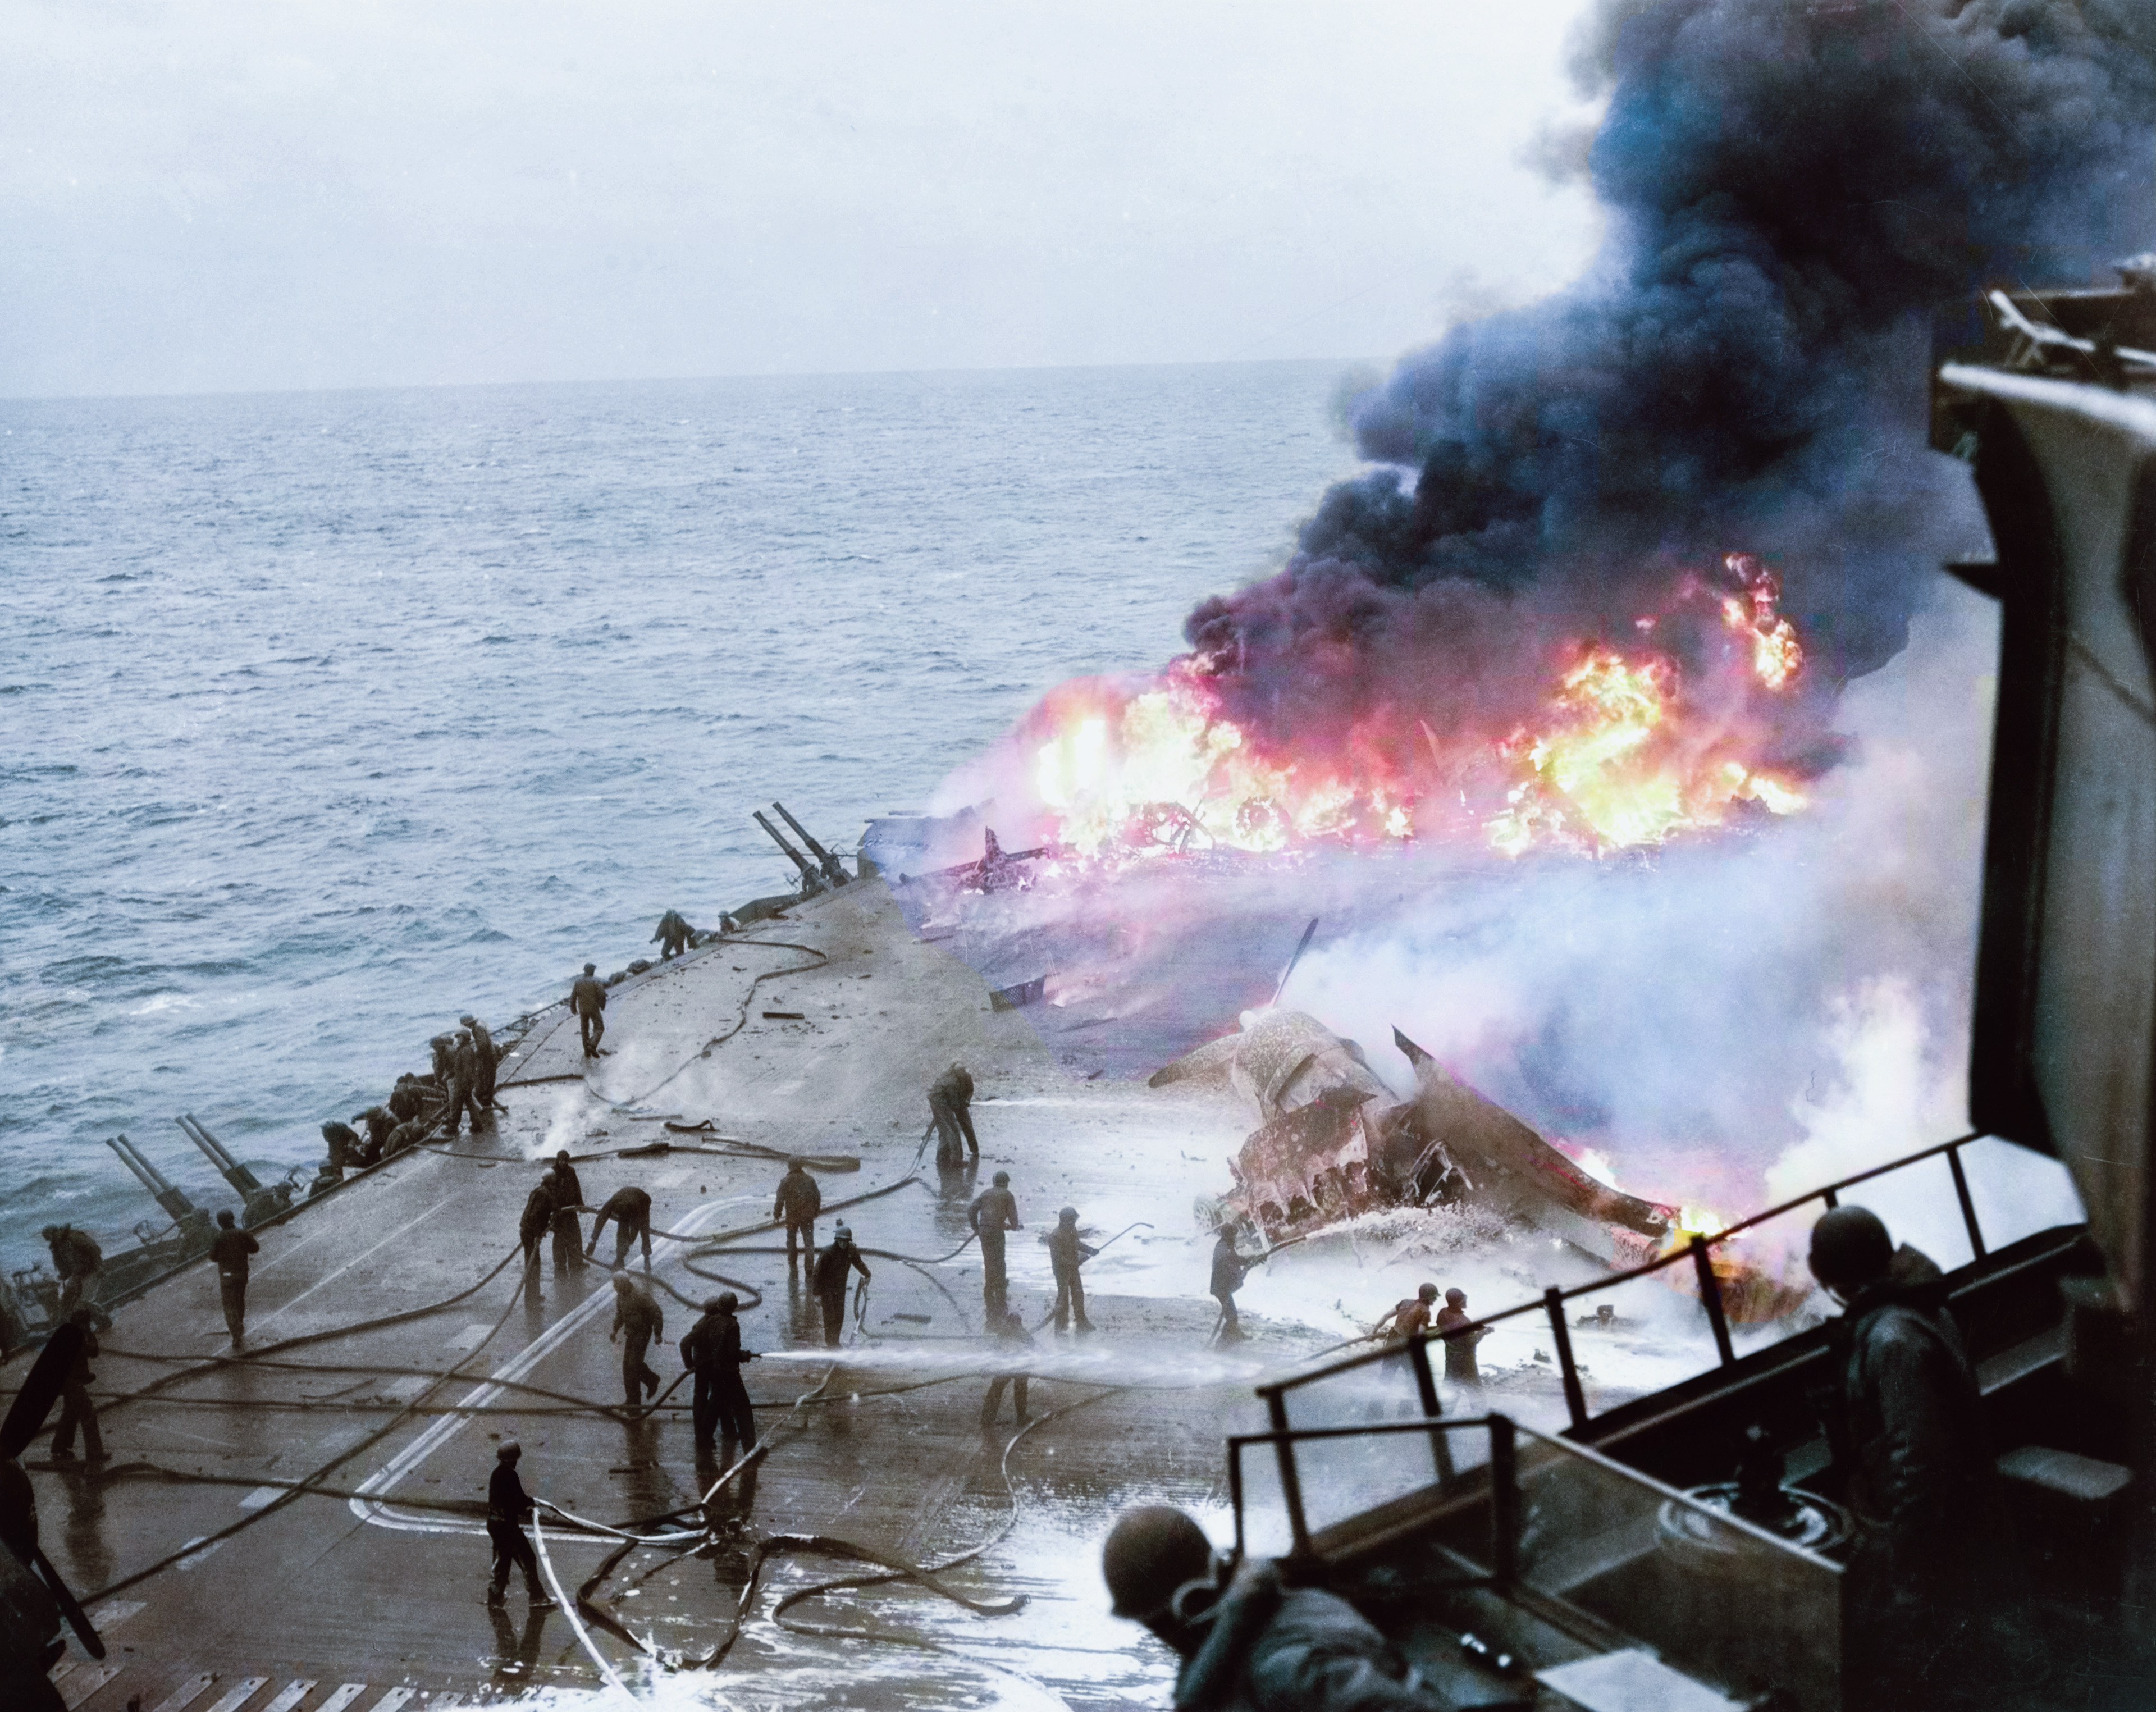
pixel 1789 189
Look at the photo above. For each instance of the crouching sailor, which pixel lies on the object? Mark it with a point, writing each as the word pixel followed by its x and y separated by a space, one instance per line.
pixel 1255 1644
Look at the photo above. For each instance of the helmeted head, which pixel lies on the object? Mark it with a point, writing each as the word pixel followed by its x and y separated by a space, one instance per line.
pixel 81 1317
pixel 442 1041
pixel 711 1304
pixel 562 1157
pixel 844 1233
pixel 1427 1292
pixel 795 1165
pixel 1003 1179
pixel 508 1451
pixel 1152 1551
pixel 728 1301
pixel 1849 1249
pixel 224 1217
pixel 1455 1299
pixel 621 1284
pixel 51 1231
pixel 1067 1216
pixel 468 1021
pixel 591 969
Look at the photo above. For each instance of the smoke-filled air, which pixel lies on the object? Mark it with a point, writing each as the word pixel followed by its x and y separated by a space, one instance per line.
pixel 1617 720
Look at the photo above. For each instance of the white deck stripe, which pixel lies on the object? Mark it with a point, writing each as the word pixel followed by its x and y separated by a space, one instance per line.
pixel 291 1694
pixel 342 1697
pixel 394 1698
pixel 86 1681
pixel 370 1509
pixel 241 1693
pixel 185 1695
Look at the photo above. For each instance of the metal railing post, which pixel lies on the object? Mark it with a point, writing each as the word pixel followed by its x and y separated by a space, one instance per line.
pixel 1235 1492
pixel 1967 1205
pixel 1830 1198
pixel 1710 1293
pixel 1298 1528
pixel 1575 1400
pixel 1504 1500
pixel 1440 1446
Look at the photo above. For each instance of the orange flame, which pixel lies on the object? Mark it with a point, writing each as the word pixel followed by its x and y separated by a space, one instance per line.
pixel 1616 760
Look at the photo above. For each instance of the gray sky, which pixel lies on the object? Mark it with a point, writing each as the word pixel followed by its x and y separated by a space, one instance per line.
pixel 214 196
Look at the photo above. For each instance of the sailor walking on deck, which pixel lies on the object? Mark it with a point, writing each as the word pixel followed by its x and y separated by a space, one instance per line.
pixel 828 1279
pixel 1065 1255
pixel 639 1316
pixel 631 1210
pixel 230 1249
pixel 951 1105
pixel 76 1409
pixel 588 999
pixel 506 1508
pixel 994 1212
pixel 712 1351
pixel 673 935
pixel 798 1202
pixel 78 1263
pixel 568 1199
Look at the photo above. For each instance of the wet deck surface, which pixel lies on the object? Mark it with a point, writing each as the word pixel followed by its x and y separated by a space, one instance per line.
pixel 374 1575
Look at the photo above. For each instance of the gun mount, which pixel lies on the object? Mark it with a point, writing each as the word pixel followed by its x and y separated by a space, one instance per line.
pixel 256 1202
pixel 833 869
pixel 812 877
pixel 195 1228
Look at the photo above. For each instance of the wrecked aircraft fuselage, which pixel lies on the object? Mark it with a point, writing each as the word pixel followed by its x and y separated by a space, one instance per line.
pixel 1334 1141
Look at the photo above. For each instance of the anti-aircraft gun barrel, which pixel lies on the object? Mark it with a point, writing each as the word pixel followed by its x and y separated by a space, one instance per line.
pixel 812 878
pixel 832 867
pixel 256 1202
pixel 193 1222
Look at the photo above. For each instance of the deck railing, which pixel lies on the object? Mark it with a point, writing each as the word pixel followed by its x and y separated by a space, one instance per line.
pixel 1697 1253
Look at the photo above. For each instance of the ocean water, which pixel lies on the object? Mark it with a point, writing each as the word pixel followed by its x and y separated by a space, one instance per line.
pixel 328 716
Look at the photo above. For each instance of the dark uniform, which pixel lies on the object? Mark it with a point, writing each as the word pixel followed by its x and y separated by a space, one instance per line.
pixel 407 1100
pixel 346 1150
pixel 506 1508
pixel 381 1123
pixel 588 999
pixel 445 1048
pixel 405 1136
pixel 568 1233
pixel 464 1083
pixel 798 1202
pixel 712 1351
pixel 994 1212
pixel 76 1409
pixel 1452 1322
pixel 1229 1269
pixel 79 1263
pixel 1294 1649
pixel 1067 1254
pixel 1008 1330
pixel 631 1210
pixel 485 1057
pixel 230 1249
pixel 951 1104
pixel 638 1318
pixel 538 1219
pixel 1927 1586
pixel 829 1282
pixel 673 935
